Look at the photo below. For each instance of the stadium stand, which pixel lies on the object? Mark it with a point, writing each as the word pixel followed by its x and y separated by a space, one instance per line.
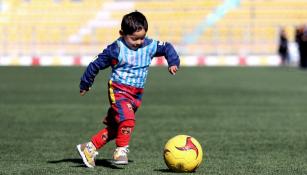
pixel 198 27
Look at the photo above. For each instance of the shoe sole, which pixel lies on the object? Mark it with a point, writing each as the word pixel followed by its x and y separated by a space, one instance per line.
pixel 120 162
pixel 83 157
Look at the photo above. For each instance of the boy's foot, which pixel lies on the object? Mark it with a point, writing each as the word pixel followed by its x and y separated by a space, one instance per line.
pixel 120 156
pixel 88 153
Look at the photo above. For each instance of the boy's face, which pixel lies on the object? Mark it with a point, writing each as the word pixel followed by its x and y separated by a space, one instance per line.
pixel 135 40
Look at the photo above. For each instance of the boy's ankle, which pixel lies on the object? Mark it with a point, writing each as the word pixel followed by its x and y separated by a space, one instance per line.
pixel 91 144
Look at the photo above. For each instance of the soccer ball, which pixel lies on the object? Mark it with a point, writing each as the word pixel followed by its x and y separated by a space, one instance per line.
pixel 183 153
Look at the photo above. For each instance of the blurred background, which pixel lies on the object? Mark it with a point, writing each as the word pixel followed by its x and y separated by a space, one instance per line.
pixel 205 32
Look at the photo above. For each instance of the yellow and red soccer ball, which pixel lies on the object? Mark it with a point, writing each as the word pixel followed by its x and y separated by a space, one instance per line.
pixel 183 153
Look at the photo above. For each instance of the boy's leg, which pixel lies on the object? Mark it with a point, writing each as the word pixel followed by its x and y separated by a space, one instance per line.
pixel 107 134
pixel 126 123
pixel 124 132
pixel 103 137
pixel 124 101
pixel 125 119
pixel 88 151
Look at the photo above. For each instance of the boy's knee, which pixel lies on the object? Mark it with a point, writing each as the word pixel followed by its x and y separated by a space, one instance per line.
pixel 126 126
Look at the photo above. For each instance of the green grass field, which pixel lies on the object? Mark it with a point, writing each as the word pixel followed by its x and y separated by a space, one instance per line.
pixel 248 120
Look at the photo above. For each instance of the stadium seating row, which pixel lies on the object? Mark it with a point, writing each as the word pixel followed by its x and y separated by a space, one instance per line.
pixel 33 26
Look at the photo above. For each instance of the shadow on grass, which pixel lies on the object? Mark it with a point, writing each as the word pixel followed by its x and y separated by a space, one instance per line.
pixel 99 162
pixel 164 171
pixel 169 171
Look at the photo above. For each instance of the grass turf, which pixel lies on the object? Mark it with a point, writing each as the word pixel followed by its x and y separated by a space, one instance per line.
pixel 248 120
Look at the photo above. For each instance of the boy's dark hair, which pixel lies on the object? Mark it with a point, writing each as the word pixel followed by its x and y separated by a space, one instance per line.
pixel 133 22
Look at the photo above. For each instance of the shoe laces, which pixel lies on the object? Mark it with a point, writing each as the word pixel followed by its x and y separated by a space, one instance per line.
pixel 122 150
pixel 92 150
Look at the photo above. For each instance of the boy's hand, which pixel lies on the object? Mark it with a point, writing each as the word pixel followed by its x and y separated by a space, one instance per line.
pixel 83 92
pixel 173 69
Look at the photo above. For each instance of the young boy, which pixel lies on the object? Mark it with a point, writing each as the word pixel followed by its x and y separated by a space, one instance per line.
pixel 129 57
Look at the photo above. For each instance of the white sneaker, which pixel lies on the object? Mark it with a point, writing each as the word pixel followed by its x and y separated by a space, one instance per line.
pixel 88 153
pixel 120 155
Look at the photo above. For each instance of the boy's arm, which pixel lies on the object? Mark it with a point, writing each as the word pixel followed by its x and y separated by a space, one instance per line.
pixel 167 50
pixel 102 61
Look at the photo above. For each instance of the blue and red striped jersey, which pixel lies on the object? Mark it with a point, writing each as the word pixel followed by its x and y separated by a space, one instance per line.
pixel 129 67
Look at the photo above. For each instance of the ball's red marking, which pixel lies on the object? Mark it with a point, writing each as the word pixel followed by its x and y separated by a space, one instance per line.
pixel 188 146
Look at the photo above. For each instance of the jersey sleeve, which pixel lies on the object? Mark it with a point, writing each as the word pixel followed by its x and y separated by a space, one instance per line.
pixel 101 61
pixel 168 51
